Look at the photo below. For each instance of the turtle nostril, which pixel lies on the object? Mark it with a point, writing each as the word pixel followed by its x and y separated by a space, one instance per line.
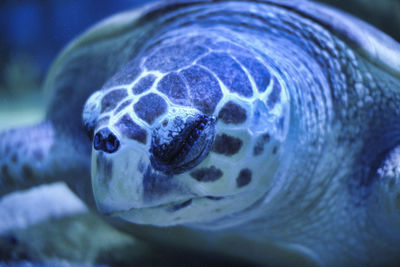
pixel 112 143
pixel 97 141
pixel 106 141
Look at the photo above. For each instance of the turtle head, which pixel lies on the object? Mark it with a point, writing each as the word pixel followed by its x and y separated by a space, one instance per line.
pixel 183 143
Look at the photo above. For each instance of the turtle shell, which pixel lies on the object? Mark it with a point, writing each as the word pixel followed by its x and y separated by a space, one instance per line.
pixel 373 44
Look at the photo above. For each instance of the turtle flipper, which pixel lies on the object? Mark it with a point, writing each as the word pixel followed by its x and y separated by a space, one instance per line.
pixel 34 155
pixel 23 154
pixel 384 203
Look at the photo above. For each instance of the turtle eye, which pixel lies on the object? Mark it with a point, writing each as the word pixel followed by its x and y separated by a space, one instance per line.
pixel 106 141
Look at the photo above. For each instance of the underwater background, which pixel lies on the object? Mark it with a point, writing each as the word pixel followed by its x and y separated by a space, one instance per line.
pixel 33 32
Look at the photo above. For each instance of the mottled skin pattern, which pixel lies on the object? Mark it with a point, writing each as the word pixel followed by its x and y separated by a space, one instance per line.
pixel 263 121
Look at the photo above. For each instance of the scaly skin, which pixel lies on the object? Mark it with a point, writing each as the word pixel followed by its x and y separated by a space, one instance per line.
pixel 317 188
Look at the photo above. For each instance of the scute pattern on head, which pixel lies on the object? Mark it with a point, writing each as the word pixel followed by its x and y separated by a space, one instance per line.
pixel 173 57
pixel 229 71
pixel 232 113
pixel 257 70
pixel 123 106
pixel 275 95
pixel 259 146
pixel 111 99
pixel 244 178
pixel 164 107
pixel 204 91
pixel 149 107
pixel 174 87
pixel 143 84
pixel 227 145
pixel 207 174
pixel 131 130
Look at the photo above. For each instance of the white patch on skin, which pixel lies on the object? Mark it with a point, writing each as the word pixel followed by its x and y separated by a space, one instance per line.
pixel 91 110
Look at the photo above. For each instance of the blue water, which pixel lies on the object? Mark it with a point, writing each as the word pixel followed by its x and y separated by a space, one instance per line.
pixel 42 28
pixel 32 34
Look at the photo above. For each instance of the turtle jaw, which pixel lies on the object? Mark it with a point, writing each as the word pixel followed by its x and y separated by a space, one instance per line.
pixel 182 212
pixel 216 212
pixel 126 180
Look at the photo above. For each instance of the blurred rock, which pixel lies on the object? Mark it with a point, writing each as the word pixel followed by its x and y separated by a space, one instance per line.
pixel 23 209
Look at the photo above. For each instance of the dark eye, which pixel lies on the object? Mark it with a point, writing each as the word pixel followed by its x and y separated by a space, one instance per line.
pixel 106 141
pixel 183 145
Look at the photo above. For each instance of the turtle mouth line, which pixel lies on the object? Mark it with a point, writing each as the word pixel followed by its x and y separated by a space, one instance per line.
pixel 171 206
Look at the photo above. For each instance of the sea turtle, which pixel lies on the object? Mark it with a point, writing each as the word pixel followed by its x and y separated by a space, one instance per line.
pixel 267 129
